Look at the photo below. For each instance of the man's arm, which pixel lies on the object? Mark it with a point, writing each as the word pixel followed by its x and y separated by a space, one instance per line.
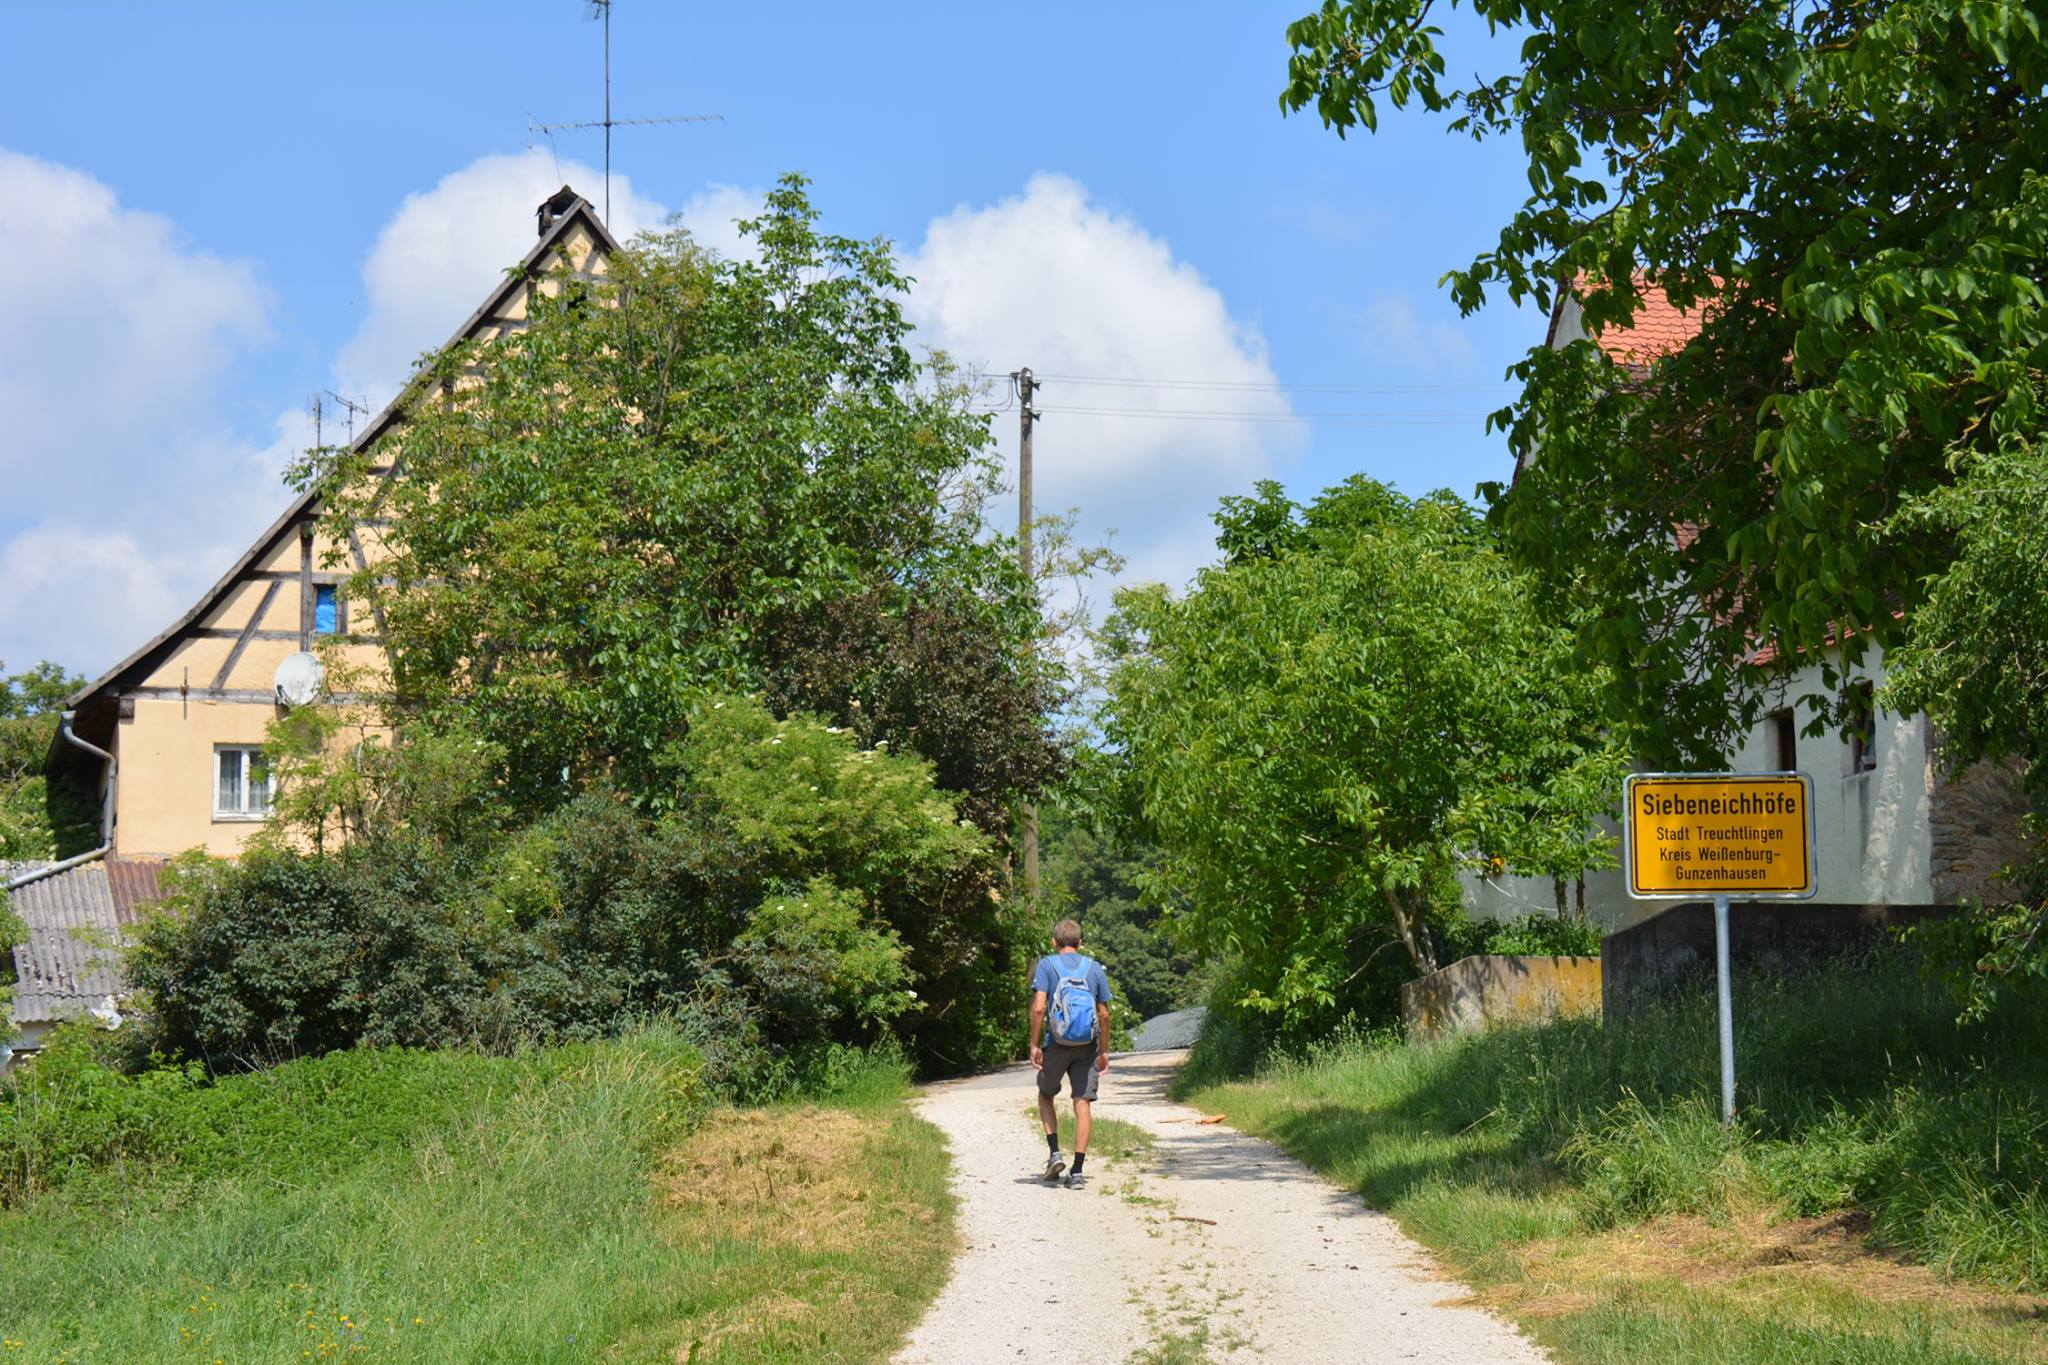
pixel 1037 1027
pixel 1102 1032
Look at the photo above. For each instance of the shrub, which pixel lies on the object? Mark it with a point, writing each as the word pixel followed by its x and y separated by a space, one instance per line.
pixel 1532 935
pixel 803 892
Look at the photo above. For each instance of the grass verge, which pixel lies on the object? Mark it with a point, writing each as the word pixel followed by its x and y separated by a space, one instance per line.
pixel 1883 1202
pixel 574 1204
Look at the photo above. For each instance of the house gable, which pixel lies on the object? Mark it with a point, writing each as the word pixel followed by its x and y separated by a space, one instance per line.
pixel 213 649
pixel 207 682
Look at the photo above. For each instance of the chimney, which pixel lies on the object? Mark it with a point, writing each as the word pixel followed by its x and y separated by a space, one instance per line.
pixel 554 206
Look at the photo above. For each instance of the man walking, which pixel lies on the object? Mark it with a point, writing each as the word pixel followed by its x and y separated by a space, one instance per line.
pixel 1070 1038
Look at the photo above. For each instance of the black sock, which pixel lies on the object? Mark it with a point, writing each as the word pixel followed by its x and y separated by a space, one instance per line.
pixel 1052 1144
pixel 1079 1157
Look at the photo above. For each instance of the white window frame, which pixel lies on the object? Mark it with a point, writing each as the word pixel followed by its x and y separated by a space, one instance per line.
pixel 244 812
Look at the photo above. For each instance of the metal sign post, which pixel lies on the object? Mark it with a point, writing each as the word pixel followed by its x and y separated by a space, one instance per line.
pixel 1688 835
pixel 1725 999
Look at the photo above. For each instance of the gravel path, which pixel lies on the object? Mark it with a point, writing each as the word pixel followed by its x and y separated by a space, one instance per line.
pixel 1294 1269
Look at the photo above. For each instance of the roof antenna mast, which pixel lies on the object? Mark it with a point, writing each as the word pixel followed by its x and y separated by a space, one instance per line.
pixel 602 10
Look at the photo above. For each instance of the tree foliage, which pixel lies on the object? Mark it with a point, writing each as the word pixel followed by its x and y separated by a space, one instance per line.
pixel 701 473
pixel 1975 658
pixel 1849 195
pixel 1359 702
pixel 1097 877
pixel 39 819
pixel 805 891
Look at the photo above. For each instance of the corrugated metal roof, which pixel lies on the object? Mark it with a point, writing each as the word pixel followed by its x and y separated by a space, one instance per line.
pixel 74 924
pixel 134 884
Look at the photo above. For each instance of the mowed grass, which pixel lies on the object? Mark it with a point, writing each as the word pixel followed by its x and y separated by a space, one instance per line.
pixel 1884 1201
pixel 576 1204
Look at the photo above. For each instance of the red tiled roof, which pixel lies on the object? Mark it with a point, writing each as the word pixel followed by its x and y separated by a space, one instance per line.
pixel 1767 654
pixel 1658 330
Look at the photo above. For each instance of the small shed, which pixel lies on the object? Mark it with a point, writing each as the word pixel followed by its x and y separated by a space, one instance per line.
pixel 77 921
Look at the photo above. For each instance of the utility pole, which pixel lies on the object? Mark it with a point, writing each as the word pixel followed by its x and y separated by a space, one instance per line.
pixel 1027 831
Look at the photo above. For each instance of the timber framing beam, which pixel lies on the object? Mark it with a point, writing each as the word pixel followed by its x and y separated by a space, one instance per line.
pixel 249 632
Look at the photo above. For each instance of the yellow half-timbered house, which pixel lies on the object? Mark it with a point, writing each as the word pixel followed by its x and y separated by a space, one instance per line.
pixel 184 716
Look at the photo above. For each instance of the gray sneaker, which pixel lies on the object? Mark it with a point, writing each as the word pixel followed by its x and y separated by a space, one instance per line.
pixel 1075 1180
pixel 1053 1166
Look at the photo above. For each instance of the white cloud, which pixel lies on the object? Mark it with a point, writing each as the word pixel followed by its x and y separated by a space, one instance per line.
pixel 1393 331
pixel 712 215
pixel 119 498
pixel 124 489
pixel 115 330
pixel 1054 280
pixel 66 590
pixel 446 248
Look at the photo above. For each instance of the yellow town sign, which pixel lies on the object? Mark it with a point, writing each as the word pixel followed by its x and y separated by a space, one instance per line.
pixel 1695 835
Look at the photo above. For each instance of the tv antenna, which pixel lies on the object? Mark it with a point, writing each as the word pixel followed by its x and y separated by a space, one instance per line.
pixel 351 408
pixel 602 10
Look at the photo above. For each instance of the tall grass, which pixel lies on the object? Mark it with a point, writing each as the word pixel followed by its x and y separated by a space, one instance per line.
pixel 1857 1088
pixel 406 1206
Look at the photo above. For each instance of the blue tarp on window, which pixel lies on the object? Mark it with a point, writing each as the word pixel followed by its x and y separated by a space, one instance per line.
pixel 326 615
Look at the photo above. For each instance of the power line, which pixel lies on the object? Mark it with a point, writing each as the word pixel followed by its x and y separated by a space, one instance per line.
pixel 1359 418
pixel 1259 386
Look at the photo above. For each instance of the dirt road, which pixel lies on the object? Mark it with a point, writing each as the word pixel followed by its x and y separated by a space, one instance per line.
pixel 1293 1269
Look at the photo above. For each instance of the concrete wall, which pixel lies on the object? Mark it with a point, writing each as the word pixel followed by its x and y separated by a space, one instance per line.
pixel 1477 992
pixel 165 798
pixel 1674 951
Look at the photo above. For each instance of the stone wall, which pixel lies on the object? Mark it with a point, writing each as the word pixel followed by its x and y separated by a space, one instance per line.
pixel 1975 829
pixel 1674 951
pixel 1476 992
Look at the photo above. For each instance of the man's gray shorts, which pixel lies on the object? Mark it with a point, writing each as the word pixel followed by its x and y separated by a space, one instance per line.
pixel 1076 1063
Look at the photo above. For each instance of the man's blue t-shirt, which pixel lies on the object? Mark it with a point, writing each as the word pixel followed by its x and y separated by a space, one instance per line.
pixel 1047 978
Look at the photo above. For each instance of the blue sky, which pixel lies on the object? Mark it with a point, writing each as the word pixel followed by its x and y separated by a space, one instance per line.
pixel 210 213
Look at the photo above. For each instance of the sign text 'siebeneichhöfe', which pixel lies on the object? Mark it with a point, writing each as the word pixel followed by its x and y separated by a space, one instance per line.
pixel 1719 834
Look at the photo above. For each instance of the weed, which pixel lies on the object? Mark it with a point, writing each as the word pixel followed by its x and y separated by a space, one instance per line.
pixel 1861 1092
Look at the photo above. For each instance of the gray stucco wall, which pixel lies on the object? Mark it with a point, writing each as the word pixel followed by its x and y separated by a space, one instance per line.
pixel 1674 951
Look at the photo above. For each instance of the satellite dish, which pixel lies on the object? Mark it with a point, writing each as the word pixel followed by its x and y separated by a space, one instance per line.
pixel 299 678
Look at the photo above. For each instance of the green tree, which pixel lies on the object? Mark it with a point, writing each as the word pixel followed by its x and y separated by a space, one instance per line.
pixel 702 474
pixel 1850 196
pixel 1975 658
pixel 805 891
pixel 39 691
pixel 1097 878
pixel 38 819
pixel 1332 723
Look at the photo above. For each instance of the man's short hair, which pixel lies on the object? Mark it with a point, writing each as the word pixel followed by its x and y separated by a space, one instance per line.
pixel 1067 933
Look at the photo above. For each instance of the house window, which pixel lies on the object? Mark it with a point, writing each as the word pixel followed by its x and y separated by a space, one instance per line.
pixel 241 783
pixel 1859 725
pixel 326 610
pixel 1785 736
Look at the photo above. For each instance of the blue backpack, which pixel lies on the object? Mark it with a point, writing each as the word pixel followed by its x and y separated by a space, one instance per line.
pixel 1073 1004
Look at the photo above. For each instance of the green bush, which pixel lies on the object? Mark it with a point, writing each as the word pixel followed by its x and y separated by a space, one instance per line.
pixel 805 892
pixel 1533 935
pixel 1093 879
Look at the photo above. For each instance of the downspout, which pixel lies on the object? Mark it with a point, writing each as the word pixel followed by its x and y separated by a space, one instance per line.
pixel 106 813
